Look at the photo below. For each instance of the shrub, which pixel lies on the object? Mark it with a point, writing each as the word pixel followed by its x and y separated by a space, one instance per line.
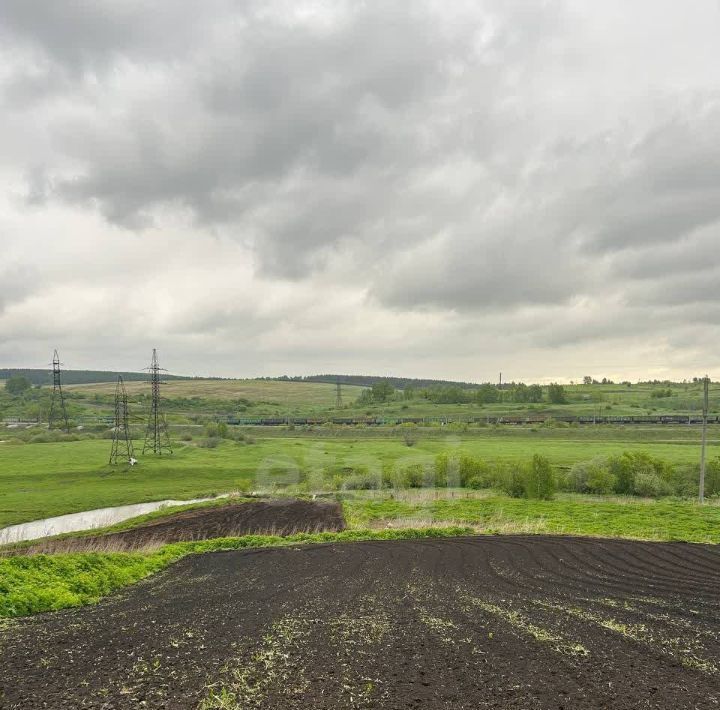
pixel 409 433
pixel 217 430
pixel 475 473
pixel 52 436
pixel 212 442
pixel 601 479
pixel 540 480
pixel 17 384
pixel 684 481
pixel 390 476
pixel 186 437
pixel 594 476
pixel 362 481
pixel 556 394
pixel 650 485
pixel 511 480
pixel 443 465
pixel 632 464
pixel 416 475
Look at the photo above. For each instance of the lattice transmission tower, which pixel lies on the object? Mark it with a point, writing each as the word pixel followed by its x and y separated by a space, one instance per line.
pixel 58 412
pixel 157 438
pixel 338 395
pixel 122 446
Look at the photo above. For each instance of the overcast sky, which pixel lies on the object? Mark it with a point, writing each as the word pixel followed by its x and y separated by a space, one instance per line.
pixel 419 188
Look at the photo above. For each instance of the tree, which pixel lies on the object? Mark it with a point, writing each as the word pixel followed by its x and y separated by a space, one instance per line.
pixel 540 481
pixel 486 393
pixel 520 392
pixel 587 380
pixel 17 384
pixel 534 393
pixel 556 394
pixel 382 390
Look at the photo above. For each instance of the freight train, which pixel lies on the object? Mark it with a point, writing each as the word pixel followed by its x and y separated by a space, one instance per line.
pixel 490 419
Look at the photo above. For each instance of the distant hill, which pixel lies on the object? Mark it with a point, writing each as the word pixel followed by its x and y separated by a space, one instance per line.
pixel 399 383
pixel 80 377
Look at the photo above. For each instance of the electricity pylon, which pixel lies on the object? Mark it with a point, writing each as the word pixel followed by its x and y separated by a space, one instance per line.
pixel 338 395
pixel 57 405
pixel 122 446
pixel 157 438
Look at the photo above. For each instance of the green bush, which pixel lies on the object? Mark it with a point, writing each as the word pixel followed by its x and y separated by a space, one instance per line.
pixel 650 485
pixel 594 476
pixel 601 479
pixel 443 467
pixel 217 430
pixel 629 465
pixel 476 471
pixel 683 481
pixel 511 480
pixel 362 481
pixel 212 442
pixel 540 480
pixel 409 433
pixel 712 477
pixel 414 476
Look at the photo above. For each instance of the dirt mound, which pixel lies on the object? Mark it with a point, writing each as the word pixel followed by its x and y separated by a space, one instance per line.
pixel 274 517
pixel 519 622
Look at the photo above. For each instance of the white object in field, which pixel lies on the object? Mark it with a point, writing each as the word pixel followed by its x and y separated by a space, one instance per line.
pixel 87 520
pixel 133 461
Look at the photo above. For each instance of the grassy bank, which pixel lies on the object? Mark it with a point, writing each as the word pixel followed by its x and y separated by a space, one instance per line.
pixel 33 584
pixel 643 519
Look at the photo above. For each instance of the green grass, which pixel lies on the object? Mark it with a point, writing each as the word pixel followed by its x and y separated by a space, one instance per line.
pixel 39 583
pixel 296 394
pixel 189 401
pixel 44 480
pixel 570 515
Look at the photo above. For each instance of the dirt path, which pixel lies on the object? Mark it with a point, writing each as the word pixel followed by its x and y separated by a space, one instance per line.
pixel 505 622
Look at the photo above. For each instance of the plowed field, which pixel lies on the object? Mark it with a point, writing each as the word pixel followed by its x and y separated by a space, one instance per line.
pixel 484 622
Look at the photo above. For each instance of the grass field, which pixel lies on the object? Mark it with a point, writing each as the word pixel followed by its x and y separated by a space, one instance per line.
pixel 311 394
pixel 490 513
pixel 43 480
pixel 204 400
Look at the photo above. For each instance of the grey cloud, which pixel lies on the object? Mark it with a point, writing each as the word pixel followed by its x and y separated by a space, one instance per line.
pixel 475 159
pixel 17 281
pixel 369 95
pixel 89 35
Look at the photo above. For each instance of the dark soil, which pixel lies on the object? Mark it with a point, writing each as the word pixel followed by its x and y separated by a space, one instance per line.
pixel 484 622
pixel 276 517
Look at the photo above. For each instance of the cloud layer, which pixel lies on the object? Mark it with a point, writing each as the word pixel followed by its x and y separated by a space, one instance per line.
pixel 268 187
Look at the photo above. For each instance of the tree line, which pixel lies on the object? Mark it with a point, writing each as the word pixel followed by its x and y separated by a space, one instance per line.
pixel 487 393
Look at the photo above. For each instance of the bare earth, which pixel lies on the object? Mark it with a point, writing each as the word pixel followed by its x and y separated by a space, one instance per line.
pixel 483 622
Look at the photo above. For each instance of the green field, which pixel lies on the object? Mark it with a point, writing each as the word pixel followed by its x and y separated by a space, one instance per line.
pixel 568 515
pixel 47 479
pixel 294 394
pixel 199 401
